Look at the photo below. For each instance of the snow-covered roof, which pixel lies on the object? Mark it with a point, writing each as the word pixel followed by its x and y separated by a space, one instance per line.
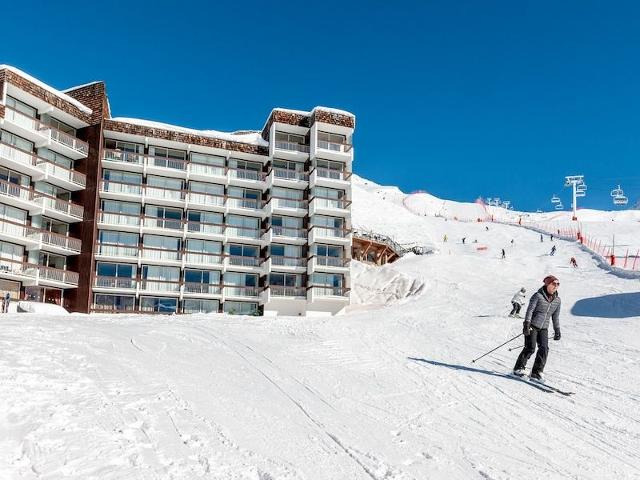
pixel 58 93
pixel 80 86
pixel 308 114
pixel 252 138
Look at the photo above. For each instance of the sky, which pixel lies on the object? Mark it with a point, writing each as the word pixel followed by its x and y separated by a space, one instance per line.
pixel 461 99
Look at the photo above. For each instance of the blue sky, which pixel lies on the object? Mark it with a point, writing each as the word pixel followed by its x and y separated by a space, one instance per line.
pixel 464 98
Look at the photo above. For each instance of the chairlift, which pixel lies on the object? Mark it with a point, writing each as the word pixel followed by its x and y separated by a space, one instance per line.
pixel 559 206
pixel 555 199
pixel 617 192
pixel 620 200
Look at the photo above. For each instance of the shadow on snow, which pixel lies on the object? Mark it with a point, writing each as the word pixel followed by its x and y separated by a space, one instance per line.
pixel 616 305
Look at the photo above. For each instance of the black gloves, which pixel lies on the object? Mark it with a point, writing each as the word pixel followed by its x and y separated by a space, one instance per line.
pixel 526 328
pixel 556 335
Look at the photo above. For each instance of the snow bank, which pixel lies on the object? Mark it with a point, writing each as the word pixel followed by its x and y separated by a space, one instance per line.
pixel 381 286
pixel 41 308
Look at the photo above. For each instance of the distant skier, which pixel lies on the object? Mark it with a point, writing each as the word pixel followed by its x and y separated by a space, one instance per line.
pixel 573 262
pixel 445 238
pixel 464 239
pixel 543 306
pixel 541 238
pixel 553 251
pixel 486 227
pixel 552 237
pixel 504 254
pixel 512 241
pixel 517 302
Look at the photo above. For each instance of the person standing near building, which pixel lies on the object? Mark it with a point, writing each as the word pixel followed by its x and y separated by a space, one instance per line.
pixel 7 300
pixel 544 306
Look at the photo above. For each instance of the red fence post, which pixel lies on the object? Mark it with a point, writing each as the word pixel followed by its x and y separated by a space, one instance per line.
pixel 626 257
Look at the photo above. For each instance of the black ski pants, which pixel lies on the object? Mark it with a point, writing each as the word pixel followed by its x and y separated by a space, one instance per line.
pixel 516 308
pixel 541 338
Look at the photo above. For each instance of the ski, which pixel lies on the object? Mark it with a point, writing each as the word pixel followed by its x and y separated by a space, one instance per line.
pixel 524 379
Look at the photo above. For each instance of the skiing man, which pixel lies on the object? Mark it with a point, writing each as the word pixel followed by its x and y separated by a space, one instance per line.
pixel 517 301
pixel 464 239
pixel 504 255
pixel 541 238
pixel 486 227
pixel 445 238
pixel 553 251
pixel 543 306
pixel 512 241
pixel 573 262
pixel 552 237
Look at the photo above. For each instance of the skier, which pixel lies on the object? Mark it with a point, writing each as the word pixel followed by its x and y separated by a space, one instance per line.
pixel 464 239
pixel 486 227
pixel 7 300
pixel 573 262
pixel 553 251
pixel 504 255
pixel 517 301
pixel 512 241
pixel 552 237
pixel 543 306
pixel 445 238
pixel 541 238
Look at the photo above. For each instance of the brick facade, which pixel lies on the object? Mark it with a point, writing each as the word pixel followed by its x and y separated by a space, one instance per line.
pixel 334 118
pixel 93 96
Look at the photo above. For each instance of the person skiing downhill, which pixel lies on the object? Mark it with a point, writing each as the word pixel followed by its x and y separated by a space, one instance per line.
pixel 517 301
pixel 553 251
pixel 543 306
pixel 504 254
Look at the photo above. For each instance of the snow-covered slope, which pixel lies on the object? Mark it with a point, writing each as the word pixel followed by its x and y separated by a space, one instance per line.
pixel 383 392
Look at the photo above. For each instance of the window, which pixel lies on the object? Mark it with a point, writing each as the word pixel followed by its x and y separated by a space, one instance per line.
pixel 164 243
pixel 288 193
pixel 330 222
pixel 238 250
pixel 15 178
pixel 331 141
pixel 196 305
pixel 331 193
pixel 115 206
pixel 167 153
pixel 244 165
pixel 54 226
pixel 327 279
pixel 52 260
pixel 202 276
pixel 13 214
pixel 16 141
pixel 162 217
pixel 285 279
pixel 123 146
pixel 328 250
pixel 113 302
pixel 286 222
pixel 164 182
pixel 122 270
pixel 205 217
pixel 120 238
pixel 21 107
pixel 9 251
pixel 159 305
pixel 294 251
pixel 287 165
pixel 157 272
pixel 207 159
pixel 58 125
pixel 122 177
pixel 203 246
pixel 240 279
pixel 237 192
pixel 244 222
pixel 56 158
pixel 52 191
pixel 210 188
pixel 289 137
pixel 240 308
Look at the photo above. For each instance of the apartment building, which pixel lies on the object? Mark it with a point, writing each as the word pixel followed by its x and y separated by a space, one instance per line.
pixel 125 215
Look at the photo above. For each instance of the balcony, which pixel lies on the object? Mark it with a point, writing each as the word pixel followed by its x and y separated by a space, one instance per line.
pixel 286 206
pixel 328 264
pixel 283 291
pixel 166 226
pixel 328 292
pixel 54 242
pixel 283 261
pixel 243 233
pixel 247 178
pixel 59 209
pixel 120 190
pixel 192 288
pixel 333 150
pixel 119 160
pixel 156 286
pixel 115 283
pixel 205 230
pixel 333 235
pixel 290 150
pixel 202 171
pixel 45 135
pixel 207 201
pixel 166 166
pixel 31 274
pixel 244 206
pixel 203 258
pixel 160 255
pixel 329 206
pixel 117 251
pixel 239 291
pixel 290 234
pixel 119 221
pixel 326 177
pixel 168 196
pixel 61 176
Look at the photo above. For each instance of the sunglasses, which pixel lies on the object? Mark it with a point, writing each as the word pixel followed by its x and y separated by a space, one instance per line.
pixel 557 284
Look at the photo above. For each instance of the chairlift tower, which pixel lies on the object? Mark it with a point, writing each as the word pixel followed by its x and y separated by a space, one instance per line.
pixel 576 182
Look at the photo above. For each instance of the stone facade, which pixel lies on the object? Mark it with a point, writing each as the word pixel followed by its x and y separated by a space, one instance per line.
pixel 187 138
pixel 333 118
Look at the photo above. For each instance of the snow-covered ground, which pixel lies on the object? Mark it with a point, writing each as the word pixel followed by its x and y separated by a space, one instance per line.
pixel 386 391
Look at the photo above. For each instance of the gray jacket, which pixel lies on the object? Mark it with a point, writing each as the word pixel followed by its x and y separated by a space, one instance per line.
pixel 543 307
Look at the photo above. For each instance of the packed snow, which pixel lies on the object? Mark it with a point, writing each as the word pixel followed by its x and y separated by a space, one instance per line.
pixel 386 391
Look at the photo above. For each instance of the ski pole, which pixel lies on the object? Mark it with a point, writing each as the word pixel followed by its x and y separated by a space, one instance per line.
pixel 501 345
pixel 516 348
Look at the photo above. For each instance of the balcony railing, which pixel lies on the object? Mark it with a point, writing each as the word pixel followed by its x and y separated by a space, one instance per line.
pixel 205 169
pixel 332 174
pixel 246 174
pixel 164 162
pixel 8 189
pixel 205 228
pixel 115 282
pixel 162 223
pixel 59 205
pixel 291 232
pixel 57 275
pixel 291 146
pixel 325 202
pixel 283 261
pixel 9 152
pixel 281 202
pixel 203 258
pixel 241 291
pixel 328 261
pixel 206 199
pixel 63 173
pixel 151 253
pixel 41 272
pixel 335 232
pixel 245 261
pixel 117 250
pixel 120 187
pixel 46 131
pixel 282 291
pixel 245 232
pixel 334 146
pixel 202 288
pixel 248 203
pixel 286 174
pixel 61 241
pixel 113 218
pixel 124 157
pixel 329 291
pixel 15 229
pixel 153 285
pixel 163 193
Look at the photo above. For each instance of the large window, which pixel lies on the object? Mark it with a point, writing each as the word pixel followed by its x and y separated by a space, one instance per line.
pixel 124 146
pixel 286 279
pixel 240 308
pixel 167 153
pixel 205 159
pixel 21 107
pixel 164 182
pixel 203 246
pixel 279 250
pixel 10 251
pixel 122 177
pixel 52 260
pixel 203 187
pixel 197 305
pixel 162 217
pixel 159 304
pixel 328 250
pixel 288 193
pixel 12 214
pixel 287 165
pixel 287 222
pixel 329 222
pixel 121 270
pixel 210 277
pixel 15 178
pixel 52 191
pixel 120 238
pixel 56 158
pixel 164 243
pixel 16 141
pixel 238 250
pixel 125 208
pixel 327 279
pixel 158 272
pixel 241 279
pixel 59 125
pixel 331 141
pixel 113 302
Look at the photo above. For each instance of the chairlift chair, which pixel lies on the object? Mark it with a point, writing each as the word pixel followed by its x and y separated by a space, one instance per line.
pixel 620 200
pixel 559 206
pixel 617 192
pixel 555 199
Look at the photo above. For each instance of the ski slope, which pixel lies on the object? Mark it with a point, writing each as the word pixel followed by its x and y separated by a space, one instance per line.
pixel 386 391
